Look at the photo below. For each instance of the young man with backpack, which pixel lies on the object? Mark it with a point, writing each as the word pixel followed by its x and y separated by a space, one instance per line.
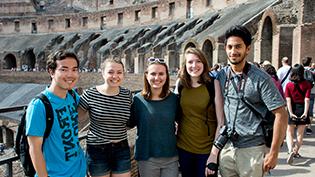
pixel 309 75
pixel 60 153
pixel 242 139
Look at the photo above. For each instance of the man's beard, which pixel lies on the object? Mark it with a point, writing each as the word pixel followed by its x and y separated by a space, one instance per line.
pixel 236 62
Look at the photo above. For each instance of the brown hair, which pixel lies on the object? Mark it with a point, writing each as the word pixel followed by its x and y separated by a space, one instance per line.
pixel 111 60
pixel 185 77
pixel 146 91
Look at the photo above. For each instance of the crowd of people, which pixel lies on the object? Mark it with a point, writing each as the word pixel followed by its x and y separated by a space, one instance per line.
pixel 211 124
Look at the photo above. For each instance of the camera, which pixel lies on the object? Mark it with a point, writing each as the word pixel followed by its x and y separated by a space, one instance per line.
pixel 224 136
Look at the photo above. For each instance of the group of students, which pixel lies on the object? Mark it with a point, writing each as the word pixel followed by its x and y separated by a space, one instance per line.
pixel 172 129
pixel 111 108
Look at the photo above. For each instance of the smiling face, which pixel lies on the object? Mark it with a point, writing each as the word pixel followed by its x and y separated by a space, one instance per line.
pixel 113 74
pixel 66 74
pixel 194 65
pixel 236 50
pixel 156 76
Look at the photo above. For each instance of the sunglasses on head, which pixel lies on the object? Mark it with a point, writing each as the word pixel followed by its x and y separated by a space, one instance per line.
pixel 155 60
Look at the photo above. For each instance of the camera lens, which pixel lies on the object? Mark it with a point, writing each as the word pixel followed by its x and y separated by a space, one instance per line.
pixel 220 141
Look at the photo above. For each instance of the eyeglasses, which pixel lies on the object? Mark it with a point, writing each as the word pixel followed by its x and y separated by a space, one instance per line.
pixel 156 60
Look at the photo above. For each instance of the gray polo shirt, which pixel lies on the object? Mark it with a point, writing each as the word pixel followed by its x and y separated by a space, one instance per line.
pixel 260 91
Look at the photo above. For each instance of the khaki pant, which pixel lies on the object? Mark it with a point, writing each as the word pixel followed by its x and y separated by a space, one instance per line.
pixel 241 162
pixel 159 167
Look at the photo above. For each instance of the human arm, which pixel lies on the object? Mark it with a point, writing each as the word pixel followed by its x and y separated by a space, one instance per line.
pixel 306 107
pixel 213 157
pixel 289 106
pixel 131 123
pixel 83 110
pixel 83 117
pixel 36 153
pixel 307 100
pixel 279 131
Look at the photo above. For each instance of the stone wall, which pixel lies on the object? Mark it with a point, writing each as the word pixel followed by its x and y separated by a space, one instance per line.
pixel 109 14
pixel 308 38
pixel 309 11
pixel 16 7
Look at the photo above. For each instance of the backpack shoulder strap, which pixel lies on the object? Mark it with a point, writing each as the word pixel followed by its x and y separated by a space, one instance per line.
pixel 179 88
pixel 285 77
pixel 49 114
pixel 296 85
pixel 211 91
pixel 20 132
pixel 72 93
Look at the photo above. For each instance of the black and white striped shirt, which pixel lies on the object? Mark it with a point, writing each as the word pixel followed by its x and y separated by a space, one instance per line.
pixel 108 115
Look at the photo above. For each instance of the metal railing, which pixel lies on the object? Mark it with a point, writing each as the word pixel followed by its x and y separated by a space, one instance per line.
pixel 9 160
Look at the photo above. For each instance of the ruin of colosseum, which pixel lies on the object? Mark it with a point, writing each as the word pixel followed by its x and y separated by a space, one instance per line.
pixel 133 30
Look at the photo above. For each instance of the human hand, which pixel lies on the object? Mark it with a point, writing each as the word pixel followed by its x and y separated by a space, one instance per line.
pixel 212 166
pixel 270 161
pixel 293 116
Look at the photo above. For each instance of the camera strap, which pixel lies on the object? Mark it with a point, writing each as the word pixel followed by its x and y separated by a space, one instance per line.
pixel 239 86
pixel 240 90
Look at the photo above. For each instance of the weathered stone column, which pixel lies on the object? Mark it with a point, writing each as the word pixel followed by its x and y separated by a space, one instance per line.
pixel 219 55
pixel 139 63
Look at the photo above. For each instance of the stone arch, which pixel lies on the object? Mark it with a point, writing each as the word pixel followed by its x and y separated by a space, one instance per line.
pixel 207 48
pixel 189 44
pixel 266 40
pixel 29 59
pixel 265 36
pixel 9 61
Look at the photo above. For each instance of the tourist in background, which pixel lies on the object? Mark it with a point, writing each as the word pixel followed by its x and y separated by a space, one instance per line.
pixel 273 73
pixel 153 111
pixel 108 106
pixel 214 70
pixel 60 155
pixel 283 72
pixel 309 75
pixel 297 94
pixel 201 115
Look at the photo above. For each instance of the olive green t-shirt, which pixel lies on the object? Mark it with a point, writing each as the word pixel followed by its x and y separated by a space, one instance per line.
pixel 192 135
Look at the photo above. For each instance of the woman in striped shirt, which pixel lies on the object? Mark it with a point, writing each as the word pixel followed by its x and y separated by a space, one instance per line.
pixel 108 106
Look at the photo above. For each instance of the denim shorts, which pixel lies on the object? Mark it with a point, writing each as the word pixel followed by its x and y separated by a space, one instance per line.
pixel 108 158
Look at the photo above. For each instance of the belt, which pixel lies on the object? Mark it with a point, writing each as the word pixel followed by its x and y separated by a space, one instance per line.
pixel 120 144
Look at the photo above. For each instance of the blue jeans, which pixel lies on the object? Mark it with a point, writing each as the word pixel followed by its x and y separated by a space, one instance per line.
pixel 108 158
pixel 191 164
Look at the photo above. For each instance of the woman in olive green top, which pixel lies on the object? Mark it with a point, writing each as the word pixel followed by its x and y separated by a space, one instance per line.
pixel 201 116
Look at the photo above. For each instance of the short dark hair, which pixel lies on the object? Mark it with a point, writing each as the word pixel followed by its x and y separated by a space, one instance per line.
pixel 59 55
pixel 239 31
pixel 306 61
